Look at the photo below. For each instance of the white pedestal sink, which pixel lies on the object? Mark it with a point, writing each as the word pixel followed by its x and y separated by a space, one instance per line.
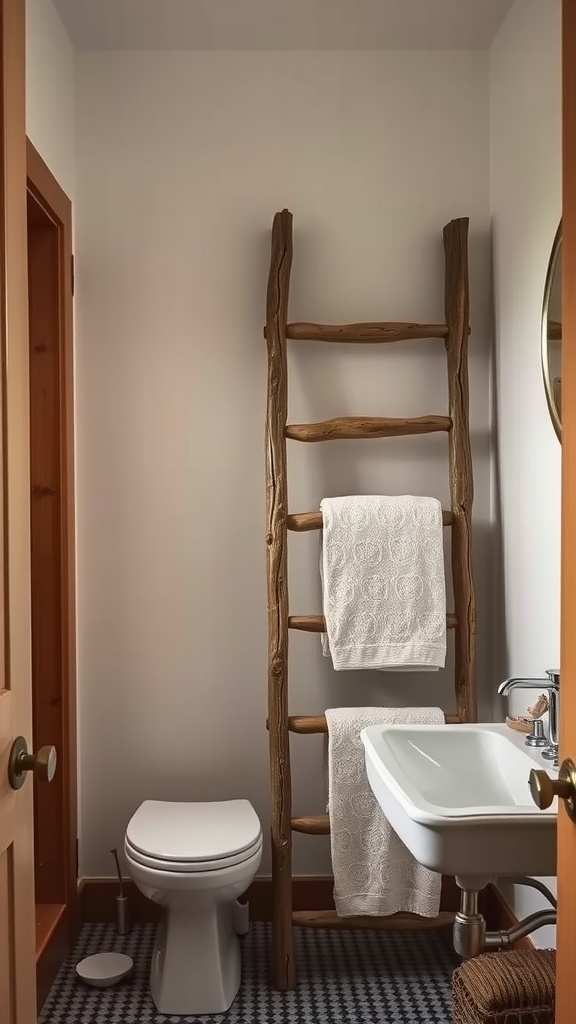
pixel 458 797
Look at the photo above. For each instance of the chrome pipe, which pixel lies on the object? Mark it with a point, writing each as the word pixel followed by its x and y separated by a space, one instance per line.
pixel 507 938
pixel 469 935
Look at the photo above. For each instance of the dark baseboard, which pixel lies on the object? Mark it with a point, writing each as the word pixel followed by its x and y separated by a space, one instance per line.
pixel 51 957
pixel 97 898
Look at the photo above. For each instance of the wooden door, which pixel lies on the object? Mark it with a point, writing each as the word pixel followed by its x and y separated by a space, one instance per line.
pixel 17 946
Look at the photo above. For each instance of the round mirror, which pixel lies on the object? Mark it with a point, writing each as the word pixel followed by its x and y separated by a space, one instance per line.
pixel 552 334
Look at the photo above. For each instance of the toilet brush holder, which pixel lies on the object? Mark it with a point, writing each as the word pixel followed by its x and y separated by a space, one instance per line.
pixel 122 909
pixel 122 915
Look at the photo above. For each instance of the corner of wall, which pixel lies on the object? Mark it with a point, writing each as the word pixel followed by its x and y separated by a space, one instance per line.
pixel 50 88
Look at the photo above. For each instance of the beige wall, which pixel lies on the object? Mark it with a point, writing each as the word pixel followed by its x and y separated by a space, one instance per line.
pixel 182 161
pixel 526 209
pixel 50 91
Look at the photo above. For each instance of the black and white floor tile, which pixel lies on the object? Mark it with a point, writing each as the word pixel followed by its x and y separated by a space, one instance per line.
pixel 344 977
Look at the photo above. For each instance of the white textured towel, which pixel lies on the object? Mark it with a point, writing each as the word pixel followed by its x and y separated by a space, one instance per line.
pixel 374 873
pixel 384 592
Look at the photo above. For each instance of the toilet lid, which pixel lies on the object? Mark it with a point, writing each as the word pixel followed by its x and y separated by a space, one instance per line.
pixel 191 866
pixel 187 832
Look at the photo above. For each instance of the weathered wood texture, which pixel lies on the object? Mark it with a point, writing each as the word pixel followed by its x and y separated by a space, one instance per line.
pixel 283 969
pixel 457 308
pixel 455 334
pixel 312 824
pixel 317 623
pixel 368 333
pixel 311 724
pixel 394 923
pixel 353 427
pixel 304 522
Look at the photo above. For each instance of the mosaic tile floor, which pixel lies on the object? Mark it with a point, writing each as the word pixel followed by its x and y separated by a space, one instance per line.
pixel 345 977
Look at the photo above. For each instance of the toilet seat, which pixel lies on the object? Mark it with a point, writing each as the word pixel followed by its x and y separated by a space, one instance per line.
pixel 188 837
pixel 184 866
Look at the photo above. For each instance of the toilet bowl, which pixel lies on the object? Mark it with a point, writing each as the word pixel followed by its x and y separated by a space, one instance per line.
pixel 194 859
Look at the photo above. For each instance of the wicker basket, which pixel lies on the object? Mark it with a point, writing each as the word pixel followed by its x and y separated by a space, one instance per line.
pixel 516 987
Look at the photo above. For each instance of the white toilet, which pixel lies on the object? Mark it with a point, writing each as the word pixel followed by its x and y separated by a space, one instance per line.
pixel 195 859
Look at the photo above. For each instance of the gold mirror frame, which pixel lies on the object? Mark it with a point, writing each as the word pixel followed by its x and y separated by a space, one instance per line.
pixel 553 399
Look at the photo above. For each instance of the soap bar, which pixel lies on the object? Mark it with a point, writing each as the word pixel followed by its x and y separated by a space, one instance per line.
pixel 537 709
pixel 519 724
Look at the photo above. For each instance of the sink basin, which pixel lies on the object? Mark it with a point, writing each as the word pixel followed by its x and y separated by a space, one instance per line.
pixel 458 797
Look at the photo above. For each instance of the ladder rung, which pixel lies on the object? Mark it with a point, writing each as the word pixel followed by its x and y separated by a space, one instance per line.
pixel 370 333
pixel 308 725
pixel 312 824
pixel 302 522
pixel 317 623
pixel 393 923
pixel 351 427
pixel 307 623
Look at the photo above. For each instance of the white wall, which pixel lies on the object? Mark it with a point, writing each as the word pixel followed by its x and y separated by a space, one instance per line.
pixel 50 90
pixel 182 161
pixel 525 73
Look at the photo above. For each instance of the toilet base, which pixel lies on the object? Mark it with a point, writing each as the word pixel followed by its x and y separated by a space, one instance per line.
pixel 196 960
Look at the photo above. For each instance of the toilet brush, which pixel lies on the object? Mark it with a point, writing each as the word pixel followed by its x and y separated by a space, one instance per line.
pixel 122 915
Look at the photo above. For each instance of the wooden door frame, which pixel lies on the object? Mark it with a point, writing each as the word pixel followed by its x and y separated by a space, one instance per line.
pixel 56 208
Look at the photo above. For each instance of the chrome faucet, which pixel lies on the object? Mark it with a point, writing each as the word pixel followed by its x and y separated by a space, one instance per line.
pixel 552 685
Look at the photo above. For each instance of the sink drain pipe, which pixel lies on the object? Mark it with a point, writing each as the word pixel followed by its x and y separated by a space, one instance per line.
pixel 470 936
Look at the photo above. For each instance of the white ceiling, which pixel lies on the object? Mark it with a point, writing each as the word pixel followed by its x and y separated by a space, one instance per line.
pixel 282 24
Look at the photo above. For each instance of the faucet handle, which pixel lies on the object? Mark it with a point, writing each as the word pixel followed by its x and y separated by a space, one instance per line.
pixel 554 676
pixel 536 737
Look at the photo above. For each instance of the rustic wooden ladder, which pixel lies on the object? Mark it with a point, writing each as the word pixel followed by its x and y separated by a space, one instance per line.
pixel 455 334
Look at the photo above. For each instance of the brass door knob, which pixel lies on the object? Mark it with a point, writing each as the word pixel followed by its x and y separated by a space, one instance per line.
pixel 544 789
pixel 42 764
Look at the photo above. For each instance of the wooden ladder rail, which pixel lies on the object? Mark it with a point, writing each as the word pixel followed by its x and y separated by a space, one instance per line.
pixel 283 967
pixel 457 312
pixel 455 334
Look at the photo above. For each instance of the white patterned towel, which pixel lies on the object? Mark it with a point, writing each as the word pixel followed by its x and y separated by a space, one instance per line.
pixel 384 591
pixel 374 873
